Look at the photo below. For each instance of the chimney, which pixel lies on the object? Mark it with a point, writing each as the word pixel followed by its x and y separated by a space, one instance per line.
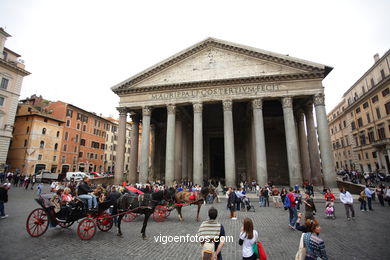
pixel 3 38
pixel 376 57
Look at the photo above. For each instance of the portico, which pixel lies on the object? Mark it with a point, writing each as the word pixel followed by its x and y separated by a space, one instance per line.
pixel 226 111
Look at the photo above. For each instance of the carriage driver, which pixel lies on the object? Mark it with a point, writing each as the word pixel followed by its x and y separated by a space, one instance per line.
pixel 84 193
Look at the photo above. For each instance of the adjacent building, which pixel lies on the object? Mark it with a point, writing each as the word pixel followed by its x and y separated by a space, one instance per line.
pixel 36 141
pixel 360 124
pixel 12 71
pixel 83 140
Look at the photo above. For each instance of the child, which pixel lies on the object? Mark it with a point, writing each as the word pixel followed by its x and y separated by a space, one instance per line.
pixel 329 210
pixel 39 188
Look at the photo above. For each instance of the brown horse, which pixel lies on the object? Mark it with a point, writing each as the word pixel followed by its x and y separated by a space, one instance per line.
pixel 193 198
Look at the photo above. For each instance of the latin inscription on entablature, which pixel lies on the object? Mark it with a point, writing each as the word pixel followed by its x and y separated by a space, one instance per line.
pixel 216 92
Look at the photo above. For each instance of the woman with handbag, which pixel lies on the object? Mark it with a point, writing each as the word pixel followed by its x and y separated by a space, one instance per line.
pixel 315 246
pixel 248 238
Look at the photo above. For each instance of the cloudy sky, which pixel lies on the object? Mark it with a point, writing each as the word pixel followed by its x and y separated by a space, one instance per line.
pixel 77 49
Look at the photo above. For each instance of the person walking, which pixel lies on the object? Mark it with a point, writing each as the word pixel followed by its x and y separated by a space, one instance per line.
pixel 266 193
pixel 248 237
pixel 315 246
pixel 3 198
pixel 369 194
pixel 283 194
pixel 380 193
pixel 310 208
pixel 347 199
pixel 231 203
pixel 212 234
pixel 363 201
pixel 290 204
pixel 275 197
pixel 387 195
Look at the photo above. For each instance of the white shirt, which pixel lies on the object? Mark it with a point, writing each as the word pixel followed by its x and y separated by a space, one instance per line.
pixel 247 250
pixel 346 198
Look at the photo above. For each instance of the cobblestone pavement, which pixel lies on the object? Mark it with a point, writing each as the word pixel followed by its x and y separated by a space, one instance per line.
pixel 364 238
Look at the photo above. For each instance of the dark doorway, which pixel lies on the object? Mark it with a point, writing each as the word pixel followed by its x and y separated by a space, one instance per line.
pixel 217 157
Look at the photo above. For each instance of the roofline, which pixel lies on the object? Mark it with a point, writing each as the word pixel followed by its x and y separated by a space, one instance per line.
pixel 16 54
pixel 4 32
pixel 367 72
pixel 41 115
pixel 85 111
pixel 220 43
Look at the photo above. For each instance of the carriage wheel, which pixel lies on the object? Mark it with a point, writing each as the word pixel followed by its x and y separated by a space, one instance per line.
pixel 104 222
pixel 86 229
pixel 37 222
pixel 65 224
pixel 129 217
pixel 160 213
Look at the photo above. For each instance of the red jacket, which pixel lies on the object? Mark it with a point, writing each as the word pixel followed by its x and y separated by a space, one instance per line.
pixel 330 196
pixel 292 199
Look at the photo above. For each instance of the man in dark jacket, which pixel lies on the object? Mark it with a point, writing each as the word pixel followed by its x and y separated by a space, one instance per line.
pixel 232 203
pixel 3 198
pixel 83 193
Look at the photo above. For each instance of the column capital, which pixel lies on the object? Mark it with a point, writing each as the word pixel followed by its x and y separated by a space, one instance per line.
pixel 198 107
pixel 319 99
pixel 257 103
pixel 146 111
pixel 171 108
pixel 135 118
pixel 122 111
pixel 287 102
pixel 227 105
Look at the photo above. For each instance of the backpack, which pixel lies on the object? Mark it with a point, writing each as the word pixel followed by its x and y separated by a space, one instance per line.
pixel 287 202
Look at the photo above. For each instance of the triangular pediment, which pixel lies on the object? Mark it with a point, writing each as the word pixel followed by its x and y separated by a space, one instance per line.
pixel 215 60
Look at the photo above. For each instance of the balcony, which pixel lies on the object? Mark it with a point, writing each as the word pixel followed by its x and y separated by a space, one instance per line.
pixel 382 144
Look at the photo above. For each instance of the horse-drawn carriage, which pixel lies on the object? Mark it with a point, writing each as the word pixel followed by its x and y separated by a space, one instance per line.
pixel 39 219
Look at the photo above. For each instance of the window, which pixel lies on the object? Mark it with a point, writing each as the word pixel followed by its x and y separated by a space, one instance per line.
pixel 387 106
pixel 63 159
pixel 382 74
pixel 372 82
pixel 96 155
pixel 25 143
pixel 381 133
pixel 345 124
pixel 77 138
pixel 102 146
pixel 55 147
pixel 44 131
pixel 28 129
pixel 82 142
pixel 69 112
pixel 65 147
pixel 66 136
pixel 4 83
pixel 385 92
pixel 378 113
pixel 359 156
pixel 353 126
pixel 54 158
pixel 357 110
pixel 41 144
pixel 39 157
pixel 58 133
pixel 367 156
pixel 363 90
pixel 75 149
pixel 84 128
pixel 79 116
pixel 373 154
pixel 374 99
pixel 368 118
pixel 67 123
pixel 78 126
pixel 371 136
pixel 363 139
pixel 365 105
pixel 74 160
pixel 2 101
pixel 80 154
pixel 360 122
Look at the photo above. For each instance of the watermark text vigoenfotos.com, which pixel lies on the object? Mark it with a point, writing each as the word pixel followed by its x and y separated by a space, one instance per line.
pixel 165 239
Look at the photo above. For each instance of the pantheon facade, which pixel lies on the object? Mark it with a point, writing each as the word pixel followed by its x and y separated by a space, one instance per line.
pixel 223 110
